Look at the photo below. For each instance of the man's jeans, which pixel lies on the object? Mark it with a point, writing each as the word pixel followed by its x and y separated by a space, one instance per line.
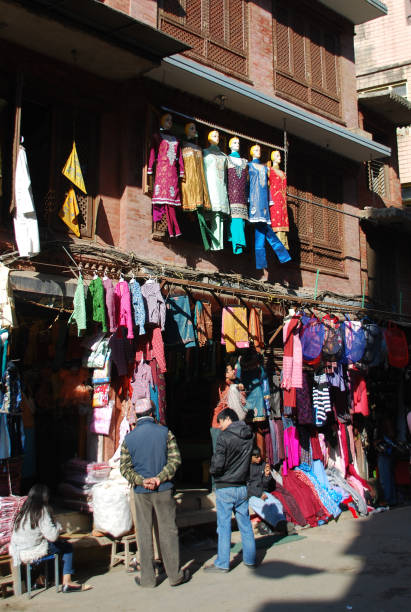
pixel 229 500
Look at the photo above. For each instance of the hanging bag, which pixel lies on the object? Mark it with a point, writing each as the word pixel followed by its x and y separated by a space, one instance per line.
pixel 372 355
pixel 333 342
pixel 354 340
pixel 397 346
pixel 312 339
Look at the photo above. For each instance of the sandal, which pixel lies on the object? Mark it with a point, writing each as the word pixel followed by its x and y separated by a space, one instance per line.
pixel 75 588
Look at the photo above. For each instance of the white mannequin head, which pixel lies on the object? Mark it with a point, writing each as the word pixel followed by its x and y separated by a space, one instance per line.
pixel 234 144
pixel 213 137
pixel 276 158
pixel 255 151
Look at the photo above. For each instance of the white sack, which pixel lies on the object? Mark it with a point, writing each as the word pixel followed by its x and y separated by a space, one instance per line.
pixel 112 508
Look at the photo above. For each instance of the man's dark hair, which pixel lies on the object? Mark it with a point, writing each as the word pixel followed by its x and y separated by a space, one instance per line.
pixel 227 413
pixel 256 452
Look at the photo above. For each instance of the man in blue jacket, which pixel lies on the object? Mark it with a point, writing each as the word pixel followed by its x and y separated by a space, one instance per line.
pixel 230 466
pixel 149 460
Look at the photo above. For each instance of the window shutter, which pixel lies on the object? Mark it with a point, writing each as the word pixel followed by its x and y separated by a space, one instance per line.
pixel 216 20
pixel 194 15
pixel 315 53
pixel 318 216
pixel 236 21
pixel 298 50
pixel 282 41
pixel 330 64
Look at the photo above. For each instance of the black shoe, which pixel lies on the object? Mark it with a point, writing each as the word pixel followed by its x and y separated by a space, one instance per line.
pixel 186 577
pixel 213 569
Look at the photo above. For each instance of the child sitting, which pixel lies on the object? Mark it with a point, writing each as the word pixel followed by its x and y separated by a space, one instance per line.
pixel 259 486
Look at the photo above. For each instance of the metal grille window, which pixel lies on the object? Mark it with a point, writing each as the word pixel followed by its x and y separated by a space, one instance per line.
pixel 377 178
pixel 306 51
pixel 217 31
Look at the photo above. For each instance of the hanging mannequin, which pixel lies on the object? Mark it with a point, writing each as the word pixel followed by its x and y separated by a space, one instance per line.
pixel 278 199
pixel 194 190
pixel 215 167
pixel 166 153
pixel 237 174
pixel 259 212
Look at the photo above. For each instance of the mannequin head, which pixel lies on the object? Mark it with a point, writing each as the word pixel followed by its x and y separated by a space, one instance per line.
pixel 276 157
pixel 166 121
pixel 234 144
pixel 190 130
pixel 255 151
pixel 213 137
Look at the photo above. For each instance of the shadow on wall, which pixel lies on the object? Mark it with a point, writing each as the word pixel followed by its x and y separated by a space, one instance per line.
pixel 381 585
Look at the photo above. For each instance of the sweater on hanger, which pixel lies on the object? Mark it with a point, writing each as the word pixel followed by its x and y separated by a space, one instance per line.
pixel 123 307
pixel 95 303
pixel 110 304
pixel 138 305
pixel 79 307
pixel 154 304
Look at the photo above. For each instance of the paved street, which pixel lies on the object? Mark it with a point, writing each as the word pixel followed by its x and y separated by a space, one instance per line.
pixel 360 565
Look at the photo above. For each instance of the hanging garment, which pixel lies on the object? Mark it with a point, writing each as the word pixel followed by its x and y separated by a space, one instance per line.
pixel 154 303
pixel 95 303
pixel 166 153
pixel 143 380
pixel 359 393
pixel 263 233
pixel 137 302
pixel 7 310
pixel 255 328
pixel 258 193
pixel 278 204
pixel 321 398
pixel 236 401
pixel 179 324
pixel 304 406
pixel 70 211
pixel 5 443
pixel 292 449
pixel 121 351
pixel 237 235
pixel 256 389
pixel 79 307
pixel 215 168
pixel 110 304
pixel 373 343
pixel 216 227
pixel 25 218
pixel 237 173
pixel 203 323
pixel 194 190
pixel 312 339
pixel 123 307
pixel 333 346
pixel 72 170
pixel 206 234
pixel 234 328
pixel 292 361
pixel 10 392
pixel 275 396
pixel 4 345
pixel 151 346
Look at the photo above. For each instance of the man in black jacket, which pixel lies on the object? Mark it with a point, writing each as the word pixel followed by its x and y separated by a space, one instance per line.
pixel 230 466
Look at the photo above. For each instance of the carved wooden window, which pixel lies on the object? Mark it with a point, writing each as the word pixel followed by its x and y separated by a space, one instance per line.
pixel 316 230
pixel 306 53
pixel 217 31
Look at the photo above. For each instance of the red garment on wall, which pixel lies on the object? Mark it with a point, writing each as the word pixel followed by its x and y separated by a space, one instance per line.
pixel 359 393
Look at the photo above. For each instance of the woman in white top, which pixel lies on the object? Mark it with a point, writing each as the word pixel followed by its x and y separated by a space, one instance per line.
pixel 35 534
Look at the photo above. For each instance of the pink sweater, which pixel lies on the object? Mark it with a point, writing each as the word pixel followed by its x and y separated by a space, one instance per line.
pixel 123 307
pixel 293 355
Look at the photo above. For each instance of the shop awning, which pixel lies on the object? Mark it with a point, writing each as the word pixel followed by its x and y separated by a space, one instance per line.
pixel 392 107
pixel 106 42
pixel 193 78
pixel 43 284
pixel 357 11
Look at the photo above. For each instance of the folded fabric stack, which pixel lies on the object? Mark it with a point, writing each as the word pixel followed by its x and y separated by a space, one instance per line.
pixel 9 507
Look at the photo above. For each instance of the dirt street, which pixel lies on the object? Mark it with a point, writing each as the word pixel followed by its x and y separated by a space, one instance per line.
pixel 360 565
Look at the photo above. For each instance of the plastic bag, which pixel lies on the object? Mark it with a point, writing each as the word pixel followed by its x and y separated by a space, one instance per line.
pixel 101 420
pixel 112 508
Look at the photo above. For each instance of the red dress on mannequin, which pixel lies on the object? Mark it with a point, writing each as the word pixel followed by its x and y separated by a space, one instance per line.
pixel 278 201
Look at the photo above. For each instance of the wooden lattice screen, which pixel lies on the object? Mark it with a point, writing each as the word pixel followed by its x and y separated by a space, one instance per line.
pixel 318 231
pixel 306 57
pixel 217 31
